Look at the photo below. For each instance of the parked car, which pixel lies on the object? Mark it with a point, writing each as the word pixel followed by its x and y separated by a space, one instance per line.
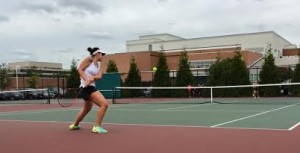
pixel 54 91
pixel 31 94
pixel 46 94
pixel 147 92
pixel 16 95
pixel 1 96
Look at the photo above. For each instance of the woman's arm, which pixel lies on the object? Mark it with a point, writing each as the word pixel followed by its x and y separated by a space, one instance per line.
pixel 83 65
pixel 98 76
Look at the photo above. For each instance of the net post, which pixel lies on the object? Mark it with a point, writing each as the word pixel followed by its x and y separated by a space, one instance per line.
pixel 48 98
pixel 211 94
pixel 113 95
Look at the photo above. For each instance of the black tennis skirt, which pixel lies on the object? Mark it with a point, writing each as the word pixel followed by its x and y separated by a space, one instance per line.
pixel 87 91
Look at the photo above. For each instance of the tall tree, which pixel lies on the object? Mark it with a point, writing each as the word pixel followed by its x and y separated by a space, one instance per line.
pixel 184 75
pixel 285 73
pixel 162 76
pixel 230 71
pixel 111 66
pixel 5 80
pixel 269 73
pixel 240 72
pixel 216 73
pixel 133 79
pixel 237 74
pixel 33 77
pixel 73 78
pixel 296 77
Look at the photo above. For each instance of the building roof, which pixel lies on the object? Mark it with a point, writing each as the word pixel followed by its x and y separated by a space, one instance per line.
pixel 162 35
pixel 176 38
pixel 39 65
pixel 256 41
pixel 283 61
pixel 287 60
pixel 245 34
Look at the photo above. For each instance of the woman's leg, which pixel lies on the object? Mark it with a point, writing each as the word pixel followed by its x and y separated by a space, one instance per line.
pixel 88 104
pixel 99 100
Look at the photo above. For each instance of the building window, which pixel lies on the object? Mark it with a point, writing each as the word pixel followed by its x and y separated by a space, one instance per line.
pixel 150 47
pixel 201 64
pixel 257 49
pixel 253 77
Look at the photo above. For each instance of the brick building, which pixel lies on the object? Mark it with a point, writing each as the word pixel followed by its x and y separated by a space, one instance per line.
pixel 200 61
pixel 202 52
pixel 47 74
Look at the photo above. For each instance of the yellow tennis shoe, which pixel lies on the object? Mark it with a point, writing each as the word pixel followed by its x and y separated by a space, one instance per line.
pixel 74 127
pixel 99 129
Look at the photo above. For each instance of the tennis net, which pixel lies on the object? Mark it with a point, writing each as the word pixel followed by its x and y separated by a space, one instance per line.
pixel 28 96
pixel 282 93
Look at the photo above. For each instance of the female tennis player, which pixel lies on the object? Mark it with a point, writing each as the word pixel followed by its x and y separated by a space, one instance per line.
pixel 255 89
pixel 89 72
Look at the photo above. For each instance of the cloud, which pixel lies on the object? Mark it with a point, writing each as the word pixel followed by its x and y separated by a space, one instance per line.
pixel 23 55
pixel 92 6
pixel 4 19
pixel 21 52
pixel 99 35
pixel 59 30
pixel 43 7
pixel 65 50
pixel 73 7
pixel 162 1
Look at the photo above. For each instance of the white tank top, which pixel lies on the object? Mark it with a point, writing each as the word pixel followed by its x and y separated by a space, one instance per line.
pixel 91 70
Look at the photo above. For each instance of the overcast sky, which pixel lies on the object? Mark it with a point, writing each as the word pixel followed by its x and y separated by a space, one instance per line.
pixel 60 30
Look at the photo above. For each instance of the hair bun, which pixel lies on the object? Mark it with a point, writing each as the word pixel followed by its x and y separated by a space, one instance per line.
pixel 90 49
pixel 95 48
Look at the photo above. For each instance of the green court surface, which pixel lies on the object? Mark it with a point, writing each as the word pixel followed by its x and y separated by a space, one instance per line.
pixel 248 116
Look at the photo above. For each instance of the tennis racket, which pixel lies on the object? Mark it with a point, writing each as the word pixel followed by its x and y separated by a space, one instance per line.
pixel 69 97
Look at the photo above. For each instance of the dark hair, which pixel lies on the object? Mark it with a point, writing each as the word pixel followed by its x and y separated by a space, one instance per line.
pixel 92 50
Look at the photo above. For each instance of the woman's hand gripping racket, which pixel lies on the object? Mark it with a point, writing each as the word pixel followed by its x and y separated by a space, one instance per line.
pixel 69 97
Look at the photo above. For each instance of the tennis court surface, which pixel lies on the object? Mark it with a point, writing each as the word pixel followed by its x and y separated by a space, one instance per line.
pixel 156 127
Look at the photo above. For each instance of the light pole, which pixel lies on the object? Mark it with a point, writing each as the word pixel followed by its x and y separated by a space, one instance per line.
pixel 17 80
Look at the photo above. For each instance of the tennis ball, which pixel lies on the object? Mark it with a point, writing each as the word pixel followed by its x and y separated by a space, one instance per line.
pixel 154 69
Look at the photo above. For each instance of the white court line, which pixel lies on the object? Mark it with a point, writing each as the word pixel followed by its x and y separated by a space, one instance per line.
pixel 265 112
pixel 46 110
pixel 194 126
pixel 148 125
pixel 293 127
pixel 4 105
pixel 165 109
pixel 31 111
pixel 183 110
